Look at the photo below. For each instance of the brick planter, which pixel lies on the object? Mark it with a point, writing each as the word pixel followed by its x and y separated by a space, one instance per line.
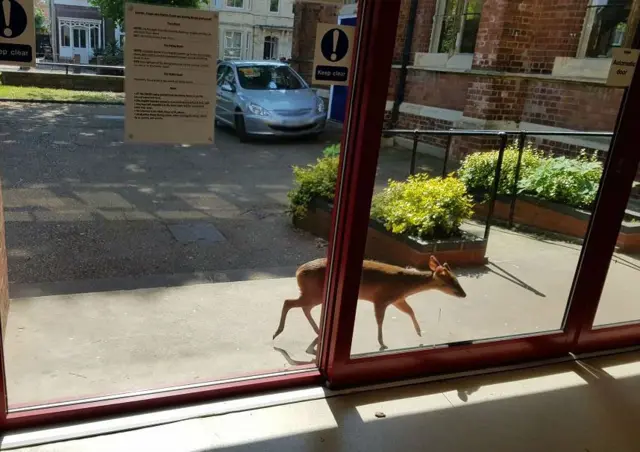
pixel 399 249
pixel 561 219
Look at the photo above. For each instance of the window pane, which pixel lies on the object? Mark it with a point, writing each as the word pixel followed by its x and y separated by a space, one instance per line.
pixel 76 37
pixel 267 77
pixel 458 22
pixel 83 38
pixel 66 38
pixel 95 41
pixel 608 27
pixel 274 6
pixel 498 282
pixel 620 300
pixel 155 265
pixel 469 33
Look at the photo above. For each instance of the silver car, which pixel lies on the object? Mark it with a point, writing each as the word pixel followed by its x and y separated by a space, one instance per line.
pixel 267 98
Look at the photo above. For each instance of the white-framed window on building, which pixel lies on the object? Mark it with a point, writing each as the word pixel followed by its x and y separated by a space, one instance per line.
pixel 65 36
pixel 605 27
pixel 234 4
pixel 274 6
pixel 270 48
pixel 232 49
pixel 95 38
pixel 456 26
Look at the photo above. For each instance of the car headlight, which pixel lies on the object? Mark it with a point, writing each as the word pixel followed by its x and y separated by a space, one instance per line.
pixel 258 110
pixel 319 105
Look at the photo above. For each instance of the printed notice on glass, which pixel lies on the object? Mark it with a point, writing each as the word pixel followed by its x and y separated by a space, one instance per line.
pixel 170 67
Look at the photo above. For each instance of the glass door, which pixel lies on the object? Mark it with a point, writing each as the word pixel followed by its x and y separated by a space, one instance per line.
pixel 470 212
pixel 430 250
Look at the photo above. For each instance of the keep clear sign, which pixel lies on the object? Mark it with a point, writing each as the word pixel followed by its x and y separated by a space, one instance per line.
pixel 17 33
pixel 170 59
pixel 332 56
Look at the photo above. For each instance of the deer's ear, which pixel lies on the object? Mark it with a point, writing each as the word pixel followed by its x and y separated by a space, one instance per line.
pixel 433 263
pixel 445 265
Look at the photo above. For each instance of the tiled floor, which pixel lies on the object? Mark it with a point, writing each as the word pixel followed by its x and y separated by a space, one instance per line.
pixel 584 406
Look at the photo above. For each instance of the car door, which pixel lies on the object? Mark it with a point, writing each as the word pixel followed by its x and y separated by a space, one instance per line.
pixel 226 94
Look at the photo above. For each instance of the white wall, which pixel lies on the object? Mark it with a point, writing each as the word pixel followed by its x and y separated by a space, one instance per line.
pixel 72 2
pixel 255 22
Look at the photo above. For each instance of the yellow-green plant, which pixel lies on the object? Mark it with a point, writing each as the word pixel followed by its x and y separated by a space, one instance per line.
pixel 313 181
pixel 423 207
pixel 478 169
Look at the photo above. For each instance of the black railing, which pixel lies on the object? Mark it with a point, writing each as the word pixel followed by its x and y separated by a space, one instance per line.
pixel 503 136
pixel 66 66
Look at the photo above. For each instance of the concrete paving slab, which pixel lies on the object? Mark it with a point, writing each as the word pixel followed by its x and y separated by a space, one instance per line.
pixel 85 344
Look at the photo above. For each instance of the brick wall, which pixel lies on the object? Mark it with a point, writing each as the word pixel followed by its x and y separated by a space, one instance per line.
pixel 557 32
pixel 57 80
pixel 527 35
pixel 421 32
pixel 437 89
pixel 576 106
pixel 407 121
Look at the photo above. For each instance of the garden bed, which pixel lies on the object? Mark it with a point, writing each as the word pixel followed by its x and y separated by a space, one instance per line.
pixel 558 218
pixel 399 249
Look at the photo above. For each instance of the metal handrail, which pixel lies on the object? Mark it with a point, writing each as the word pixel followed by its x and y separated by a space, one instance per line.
pixel 72 65
pixel 503 135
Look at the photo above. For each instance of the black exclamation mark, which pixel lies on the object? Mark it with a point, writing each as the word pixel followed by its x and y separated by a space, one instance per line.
pixel 6 9
pixel 336 37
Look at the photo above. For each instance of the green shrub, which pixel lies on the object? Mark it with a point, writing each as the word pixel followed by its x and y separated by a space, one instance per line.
pixel 332 151
pixel 478 169
pixel 423 207
pixel 573 182
pixel 313 181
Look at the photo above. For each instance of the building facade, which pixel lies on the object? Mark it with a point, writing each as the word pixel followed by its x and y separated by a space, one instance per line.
pixel 78 30
pixel 254 29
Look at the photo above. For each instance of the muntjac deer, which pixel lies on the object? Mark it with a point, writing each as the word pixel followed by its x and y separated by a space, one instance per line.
pixel 381 284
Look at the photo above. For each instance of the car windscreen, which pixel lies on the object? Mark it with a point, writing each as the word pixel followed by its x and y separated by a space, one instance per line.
pixel 266 77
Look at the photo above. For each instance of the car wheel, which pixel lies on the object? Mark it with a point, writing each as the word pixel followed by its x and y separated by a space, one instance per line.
pixel 241 130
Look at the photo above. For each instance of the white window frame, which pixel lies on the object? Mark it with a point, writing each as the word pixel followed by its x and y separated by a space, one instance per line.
pixel 273 46
pixel 277 6
pixel 587 26
pixel 87 24
pixel 224 44
pixel 436 30
pixel 244 4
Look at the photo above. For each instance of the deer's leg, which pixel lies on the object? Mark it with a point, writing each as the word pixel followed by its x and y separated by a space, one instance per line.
pixel 307 313
pixel 311 349
pixel 300 302
pixel 380 308
pixel 403 306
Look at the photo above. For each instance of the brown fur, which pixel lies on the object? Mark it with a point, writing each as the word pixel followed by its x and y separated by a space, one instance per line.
pixel 382 284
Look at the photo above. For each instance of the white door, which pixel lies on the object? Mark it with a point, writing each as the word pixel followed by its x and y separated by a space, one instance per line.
pixel 80 43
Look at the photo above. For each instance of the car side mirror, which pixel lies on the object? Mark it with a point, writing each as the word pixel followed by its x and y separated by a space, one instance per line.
pixel 228 87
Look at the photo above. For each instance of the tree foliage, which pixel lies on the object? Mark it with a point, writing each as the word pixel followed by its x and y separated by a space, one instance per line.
pixel 114 9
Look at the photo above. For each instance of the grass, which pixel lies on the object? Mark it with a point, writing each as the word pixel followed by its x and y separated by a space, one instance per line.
pixel 62 95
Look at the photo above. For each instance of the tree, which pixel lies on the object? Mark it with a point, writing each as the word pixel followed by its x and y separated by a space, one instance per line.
pixel 114 9
pixel 40 21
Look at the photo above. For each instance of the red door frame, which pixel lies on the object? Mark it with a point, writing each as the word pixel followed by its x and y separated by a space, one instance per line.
pixel 372 65
pixel 360 150
pixel 600 243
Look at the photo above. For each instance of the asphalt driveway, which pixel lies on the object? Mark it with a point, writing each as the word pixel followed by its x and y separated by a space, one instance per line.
pixel 82 204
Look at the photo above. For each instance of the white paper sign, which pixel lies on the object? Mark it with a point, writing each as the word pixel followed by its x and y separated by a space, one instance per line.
pixel 170 68
pixel 623 65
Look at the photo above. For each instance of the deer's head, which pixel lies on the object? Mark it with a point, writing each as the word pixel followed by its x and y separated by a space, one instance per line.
pixel 445 280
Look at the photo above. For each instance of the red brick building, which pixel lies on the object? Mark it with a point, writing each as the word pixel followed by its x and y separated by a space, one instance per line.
pixel 497 64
